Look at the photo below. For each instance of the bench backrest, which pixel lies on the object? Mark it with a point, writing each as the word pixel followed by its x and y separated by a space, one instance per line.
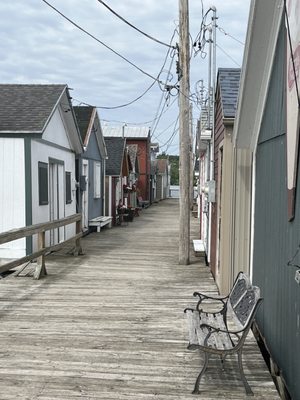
pixel 243 311
pixel 241 285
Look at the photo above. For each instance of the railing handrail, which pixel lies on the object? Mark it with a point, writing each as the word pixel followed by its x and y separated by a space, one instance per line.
pixel 25 231
pixel 40 230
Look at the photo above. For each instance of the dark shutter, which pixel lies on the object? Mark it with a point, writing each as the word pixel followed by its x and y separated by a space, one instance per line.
pixel 43 183
pixel 68 188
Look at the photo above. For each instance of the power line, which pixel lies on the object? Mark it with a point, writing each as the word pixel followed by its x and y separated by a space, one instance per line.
pixel 229 56
pixel 162 110
pixel 228 34
pixel 168 127
pixel 132 26
pixel 99 41
pixel 169 141
pixel 121 105
pixel 140 96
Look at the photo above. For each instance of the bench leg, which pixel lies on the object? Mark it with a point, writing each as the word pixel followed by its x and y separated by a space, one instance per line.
pixel 245 382
pixel 223 358
pixel 196 388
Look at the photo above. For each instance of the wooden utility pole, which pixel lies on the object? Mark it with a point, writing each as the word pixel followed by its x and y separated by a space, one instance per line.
pixel 184 114
pixel 192 159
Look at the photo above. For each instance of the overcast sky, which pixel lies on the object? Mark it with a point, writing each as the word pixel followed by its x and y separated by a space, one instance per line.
pixel 39 46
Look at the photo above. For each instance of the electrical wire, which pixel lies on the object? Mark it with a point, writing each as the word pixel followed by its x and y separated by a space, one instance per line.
pixel 158 117
pixel 140 96
pixel 121 105
pixel 202 27
pixel 170 140
pixel 175 130
pixel 132 26
pixel 168 127
pixel 99 41
pixel 228 34
pixel 228 55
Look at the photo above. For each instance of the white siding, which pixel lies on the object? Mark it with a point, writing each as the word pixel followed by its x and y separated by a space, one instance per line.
pixel 42 152
pixel 56 132
pixel 12 194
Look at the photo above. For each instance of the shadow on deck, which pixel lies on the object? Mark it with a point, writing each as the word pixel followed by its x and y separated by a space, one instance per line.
pixel 110 324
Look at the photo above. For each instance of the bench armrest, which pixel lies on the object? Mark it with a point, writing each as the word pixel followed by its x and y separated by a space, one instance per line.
pixel 203 297
pixel 213 329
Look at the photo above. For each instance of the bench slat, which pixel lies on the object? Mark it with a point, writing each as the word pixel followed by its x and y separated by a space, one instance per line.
pixel 101 221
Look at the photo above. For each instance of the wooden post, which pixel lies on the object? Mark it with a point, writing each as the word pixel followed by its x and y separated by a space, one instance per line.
pixel 40 270
pixel 78 249
pixel 184 113
pixel 191 159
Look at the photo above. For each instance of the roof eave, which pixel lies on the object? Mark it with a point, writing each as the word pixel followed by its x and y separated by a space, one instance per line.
pixel 263 28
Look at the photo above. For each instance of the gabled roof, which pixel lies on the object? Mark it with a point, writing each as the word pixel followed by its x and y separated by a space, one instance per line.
pixel 28 108
pixel 87 120
pixel 83 116
pixel 228 83
pixel 136 132
pixel 115 151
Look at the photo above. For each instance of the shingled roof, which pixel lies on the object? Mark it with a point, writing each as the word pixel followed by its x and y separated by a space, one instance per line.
pixel 83 116
pixel 229 83
pixel 27 108
pixel 115 151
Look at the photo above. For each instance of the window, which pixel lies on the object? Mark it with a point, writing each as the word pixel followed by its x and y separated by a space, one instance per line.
pixel 97 180
pixel 43 183
pixel 68 188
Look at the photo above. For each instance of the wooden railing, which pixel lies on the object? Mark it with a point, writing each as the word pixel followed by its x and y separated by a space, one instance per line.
pixel 40 230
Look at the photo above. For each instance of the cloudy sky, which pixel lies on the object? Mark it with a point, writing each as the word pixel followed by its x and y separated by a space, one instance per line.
pixel 39 46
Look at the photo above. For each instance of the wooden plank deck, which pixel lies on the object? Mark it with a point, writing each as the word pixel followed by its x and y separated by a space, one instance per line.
pixel 110 324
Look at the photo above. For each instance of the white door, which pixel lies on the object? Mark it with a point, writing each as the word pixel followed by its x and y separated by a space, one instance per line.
pixel 56 200
pixel 85 196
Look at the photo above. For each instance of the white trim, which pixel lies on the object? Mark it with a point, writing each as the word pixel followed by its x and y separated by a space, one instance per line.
pixel 253 192
pixel 263 28
pixel 97 179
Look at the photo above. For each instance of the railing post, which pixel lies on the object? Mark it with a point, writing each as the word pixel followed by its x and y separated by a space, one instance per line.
pixel 40 270
pixel 78 249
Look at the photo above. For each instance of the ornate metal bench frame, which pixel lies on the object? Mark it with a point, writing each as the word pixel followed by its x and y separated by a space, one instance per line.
pixel 210 331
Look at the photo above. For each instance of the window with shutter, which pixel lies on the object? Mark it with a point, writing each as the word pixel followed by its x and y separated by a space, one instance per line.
pixel 43 183
pixel 68 188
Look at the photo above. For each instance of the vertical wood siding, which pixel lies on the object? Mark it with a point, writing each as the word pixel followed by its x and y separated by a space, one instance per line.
pixel 275 239
pixel 12 194
pixel 219 136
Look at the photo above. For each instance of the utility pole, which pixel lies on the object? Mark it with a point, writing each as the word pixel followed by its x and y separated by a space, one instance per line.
pixel 212 88
pixel 184 114
pixel 192 159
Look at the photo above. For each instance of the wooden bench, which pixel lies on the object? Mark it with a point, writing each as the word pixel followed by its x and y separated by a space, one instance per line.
pixel 99 222
pixel 224 332
pixel 199 248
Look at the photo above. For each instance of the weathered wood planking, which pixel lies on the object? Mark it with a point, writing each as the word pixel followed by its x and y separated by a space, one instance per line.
pixel 110 324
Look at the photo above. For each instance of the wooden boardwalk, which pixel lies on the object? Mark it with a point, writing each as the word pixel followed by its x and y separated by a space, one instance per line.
pixel 110 324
